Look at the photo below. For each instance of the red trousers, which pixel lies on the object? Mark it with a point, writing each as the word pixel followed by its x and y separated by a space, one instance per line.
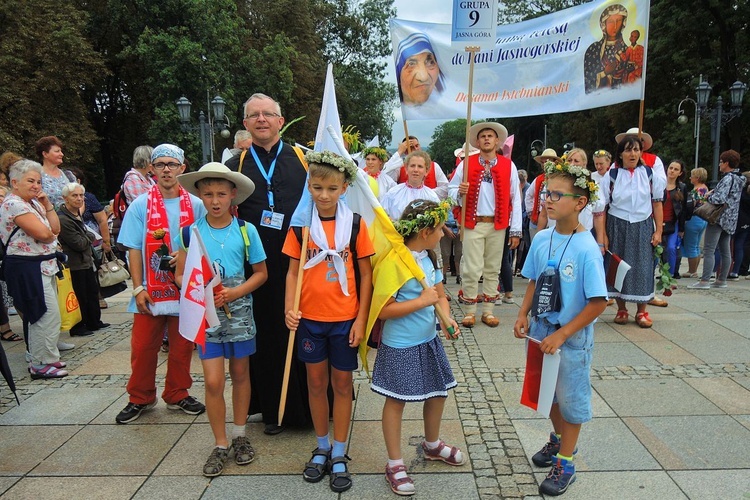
pixel 145 342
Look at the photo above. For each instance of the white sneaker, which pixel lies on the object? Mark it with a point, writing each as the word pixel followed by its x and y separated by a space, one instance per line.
pixel 64 346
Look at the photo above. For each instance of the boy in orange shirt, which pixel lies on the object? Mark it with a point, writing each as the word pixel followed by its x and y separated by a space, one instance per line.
pixel 334 306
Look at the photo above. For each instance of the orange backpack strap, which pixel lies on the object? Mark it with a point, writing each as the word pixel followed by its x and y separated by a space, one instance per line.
pixel 300 155
pixel 242 160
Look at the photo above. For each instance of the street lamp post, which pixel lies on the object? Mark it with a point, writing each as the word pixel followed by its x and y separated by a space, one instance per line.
pixel 682 120
pixel 717 115
pixel 207 126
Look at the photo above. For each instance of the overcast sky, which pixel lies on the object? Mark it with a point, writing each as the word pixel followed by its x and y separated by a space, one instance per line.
pixel 428 11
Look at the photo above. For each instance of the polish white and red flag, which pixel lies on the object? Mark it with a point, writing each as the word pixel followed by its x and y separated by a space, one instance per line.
pixel 540 378
pixel 198 282
pixel 617 269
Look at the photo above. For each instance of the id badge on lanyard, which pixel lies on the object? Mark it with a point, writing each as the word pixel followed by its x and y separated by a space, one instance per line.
pixel 269 218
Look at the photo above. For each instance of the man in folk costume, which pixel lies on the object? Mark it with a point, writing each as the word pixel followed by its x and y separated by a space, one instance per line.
pixel 396 168
pixel 277 170
pixel 151 232
pixel 659 177
pixel 493 205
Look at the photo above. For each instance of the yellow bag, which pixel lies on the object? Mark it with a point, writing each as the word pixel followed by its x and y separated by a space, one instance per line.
pixel 70 311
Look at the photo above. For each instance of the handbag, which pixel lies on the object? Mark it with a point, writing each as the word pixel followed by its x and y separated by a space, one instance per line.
pixel 710 212
pixel 67 302
pixel 112 270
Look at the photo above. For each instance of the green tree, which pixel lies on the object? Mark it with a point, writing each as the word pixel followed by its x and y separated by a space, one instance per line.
pixel 357 40
pixel 46 65
pixel 447 137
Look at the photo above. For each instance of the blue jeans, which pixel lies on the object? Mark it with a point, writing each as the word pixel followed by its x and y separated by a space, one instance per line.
pixel 671 243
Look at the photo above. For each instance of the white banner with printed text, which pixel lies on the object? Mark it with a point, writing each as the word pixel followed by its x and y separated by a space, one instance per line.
pixel 584 57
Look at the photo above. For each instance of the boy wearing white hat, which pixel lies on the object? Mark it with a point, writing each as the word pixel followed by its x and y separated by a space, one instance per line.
pixel 230 244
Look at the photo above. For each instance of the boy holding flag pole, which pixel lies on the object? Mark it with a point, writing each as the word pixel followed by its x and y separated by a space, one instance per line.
pixel 228 245
pixel 333 307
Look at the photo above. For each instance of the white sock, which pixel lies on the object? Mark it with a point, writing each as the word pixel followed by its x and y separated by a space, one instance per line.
pixel 432 444
pixel 238 431
pixel 400 475
pixel 445 452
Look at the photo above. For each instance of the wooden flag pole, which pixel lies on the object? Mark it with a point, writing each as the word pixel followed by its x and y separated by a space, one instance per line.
pixel 408 142
pixel 472 50
pixel 640 120
pixel 290 345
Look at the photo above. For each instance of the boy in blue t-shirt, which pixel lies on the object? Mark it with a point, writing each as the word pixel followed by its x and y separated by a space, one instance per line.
pixel 230 244
pixel 565 295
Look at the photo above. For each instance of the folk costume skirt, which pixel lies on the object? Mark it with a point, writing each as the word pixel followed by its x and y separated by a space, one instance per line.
pixel 413 373
pixel 632 242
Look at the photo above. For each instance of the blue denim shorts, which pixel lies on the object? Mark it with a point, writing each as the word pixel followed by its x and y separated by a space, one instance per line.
pixel 573 391
pixel 227 350
pixel 321 340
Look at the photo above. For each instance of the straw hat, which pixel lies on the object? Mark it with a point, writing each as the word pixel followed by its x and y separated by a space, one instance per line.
pixel 646 138
pixel 501 131
pixel 548 154
pixel 216 170
pixel 459 153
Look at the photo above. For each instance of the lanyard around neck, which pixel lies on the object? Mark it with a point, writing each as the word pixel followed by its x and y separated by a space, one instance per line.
pixel 267 175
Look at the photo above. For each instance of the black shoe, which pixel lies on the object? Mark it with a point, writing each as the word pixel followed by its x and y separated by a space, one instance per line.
pixel 458 280
pixel 273 429
pixel 189 405
pixel 100 326
pixel 131 412
pixel 81 333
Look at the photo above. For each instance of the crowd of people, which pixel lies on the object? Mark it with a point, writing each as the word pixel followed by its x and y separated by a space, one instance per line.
pixel 482 219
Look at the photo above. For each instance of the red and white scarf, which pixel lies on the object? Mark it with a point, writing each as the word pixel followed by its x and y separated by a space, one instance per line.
pixel 159 284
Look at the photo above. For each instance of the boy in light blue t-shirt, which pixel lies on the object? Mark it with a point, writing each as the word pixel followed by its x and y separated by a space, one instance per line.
pixel 565 295
pixel 230 244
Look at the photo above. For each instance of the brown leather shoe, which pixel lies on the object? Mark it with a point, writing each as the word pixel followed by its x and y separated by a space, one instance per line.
pixel 469 320
pixel 656 301
pixel 490 320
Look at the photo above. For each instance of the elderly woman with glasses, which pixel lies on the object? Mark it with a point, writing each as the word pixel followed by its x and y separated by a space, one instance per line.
pixel 633 224
pixel 76 241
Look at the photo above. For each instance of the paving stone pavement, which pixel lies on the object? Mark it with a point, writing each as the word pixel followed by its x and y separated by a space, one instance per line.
pixel 671 406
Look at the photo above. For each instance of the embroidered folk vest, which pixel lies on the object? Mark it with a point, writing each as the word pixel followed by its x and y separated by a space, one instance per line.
pixel 501 185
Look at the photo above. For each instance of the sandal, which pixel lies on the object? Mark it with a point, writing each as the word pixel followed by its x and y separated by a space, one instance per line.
pixel 643 320
pixel 622 317
pixel 469 320
pixel 215 464
pixel 46 371
pixel 314 472
pixel 435 454
pixel 395 483
pixel 340 481
pixel 490 320
pixel 13 337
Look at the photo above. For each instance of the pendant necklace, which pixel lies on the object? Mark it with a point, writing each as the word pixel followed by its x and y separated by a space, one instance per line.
pixel 211 234
pixel 554 230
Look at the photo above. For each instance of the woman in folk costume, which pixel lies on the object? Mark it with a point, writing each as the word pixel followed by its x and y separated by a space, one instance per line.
pixel 375 158
pixel 417 165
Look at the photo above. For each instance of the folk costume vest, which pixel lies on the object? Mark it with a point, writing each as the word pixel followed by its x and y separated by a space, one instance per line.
pixel 649 159
pixel 430 180
pixel 501 185
pixel 534 215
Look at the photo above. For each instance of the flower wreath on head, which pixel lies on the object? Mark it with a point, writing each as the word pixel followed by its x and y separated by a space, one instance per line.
pixel 430 218
pixel 582 176
pixel 381 153
pixel 348 168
